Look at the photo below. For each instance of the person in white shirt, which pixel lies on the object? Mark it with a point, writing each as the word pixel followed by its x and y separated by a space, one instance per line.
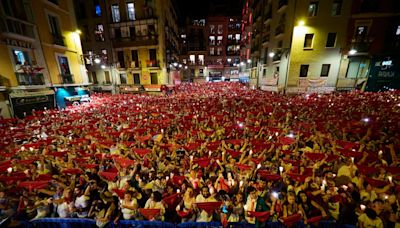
pixel 202 215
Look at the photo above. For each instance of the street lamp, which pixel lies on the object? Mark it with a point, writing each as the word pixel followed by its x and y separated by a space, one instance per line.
pixel 103 66
pixel 352 51
pixel 249 61
pixel 97 60
pixel 301 23
pixel 271 54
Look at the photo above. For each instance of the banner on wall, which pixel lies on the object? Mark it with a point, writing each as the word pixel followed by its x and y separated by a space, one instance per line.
pixel 312 82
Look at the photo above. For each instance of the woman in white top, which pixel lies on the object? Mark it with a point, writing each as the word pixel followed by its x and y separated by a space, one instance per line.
pixel 65 204
pixel 129 206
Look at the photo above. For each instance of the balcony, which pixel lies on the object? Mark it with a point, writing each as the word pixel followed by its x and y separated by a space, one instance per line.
pixel 265 39
pixel 282 3
pixel 67 78
pixel 362 45
pixel 17 26
pixel 58 39
pixel 279 30
pixel 135 41
pixel 152 64
pixel 25 79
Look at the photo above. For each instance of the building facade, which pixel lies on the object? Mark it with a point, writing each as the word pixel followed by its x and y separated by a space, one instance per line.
pixel 371 56
pixel 193 50
pixel 41 54
pixel 128 42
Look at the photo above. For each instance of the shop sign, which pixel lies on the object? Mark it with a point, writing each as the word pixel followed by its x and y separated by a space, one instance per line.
pixel 18 43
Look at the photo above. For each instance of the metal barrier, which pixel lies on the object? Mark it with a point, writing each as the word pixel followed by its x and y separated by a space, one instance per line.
pixel 90 223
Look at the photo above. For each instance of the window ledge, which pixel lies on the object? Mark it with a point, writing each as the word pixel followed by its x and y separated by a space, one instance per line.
pixel 308 49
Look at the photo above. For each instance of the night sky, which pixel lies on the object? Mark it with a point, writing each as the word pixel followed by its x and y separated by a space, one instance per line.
pixel 203 8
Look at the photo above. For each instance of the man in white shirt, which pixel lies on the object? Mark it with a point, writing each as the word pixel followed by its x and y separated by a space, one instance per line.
pixel 203 197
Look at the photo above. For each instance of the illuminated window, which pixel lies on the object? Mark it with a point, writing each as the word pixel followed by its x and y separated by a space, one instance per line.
pixel 97 8
pixel 116 17
pixel 211 51
pixel 201 59
pixel 99 32
pixel 192 59
pixel 398 30
pixel 212 40
pixel 131 10
pixel 313 9
pixel 237 36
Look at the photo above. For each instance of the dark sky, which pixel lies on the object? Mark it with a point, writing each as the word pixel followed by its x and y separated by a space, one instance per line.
pixel 203 8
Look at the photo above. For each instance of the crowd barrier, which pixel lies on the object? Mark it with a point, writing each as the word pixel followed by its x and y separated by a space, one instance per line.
pixel 89 223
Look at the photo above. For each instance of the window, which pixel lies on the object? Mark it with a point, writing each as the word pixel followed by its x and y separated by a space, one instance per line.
pixel 124 31
pixel 330 42
pixel 94 78
pixel 99 33
pixel 304 70
pixel 219 51
pixel 116 17
pixel 358 67
pixel 65 72
pixel 97 8
pixel 201 59
pixel 135 59
pixel 131 10
pixel 121 59
pixel 212 51
pixel 192 59
pixel 398 31
pixel 219 40
pixel 220 29
pixel 107 77
pixel 361 31
pixel 212 29
pixel 308 41
pixel 117 33
pixel 337 7
pixel 212 40
pixel 21 58
pixel 54 26
pixel 104 54
pixel 237 37
pixel 153 54
pixel 122 77
pixel 136 78
pixel 325 70
pixel 313 9
pixel 154 78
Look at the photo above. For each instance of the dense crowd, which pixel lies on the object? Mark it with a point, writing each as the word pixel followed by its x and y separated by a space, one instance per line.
pixel 209 152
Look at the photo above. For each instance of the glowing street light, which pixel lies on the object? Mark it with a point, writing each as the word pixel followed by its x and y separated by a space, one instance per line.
pixel 103 67
pixel 352 51
pixel 271 54
pixel 249 61
pixel 301 23
pixel 97 60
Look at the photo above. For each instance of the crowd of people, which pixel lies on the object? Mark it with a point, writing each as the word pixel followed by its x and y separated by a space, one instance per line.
pixel 207 152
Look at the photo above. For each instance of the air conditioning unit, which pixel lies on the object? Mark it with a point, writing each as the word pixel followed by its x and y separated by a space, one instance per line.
pixel 133 64
pixel 118 65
